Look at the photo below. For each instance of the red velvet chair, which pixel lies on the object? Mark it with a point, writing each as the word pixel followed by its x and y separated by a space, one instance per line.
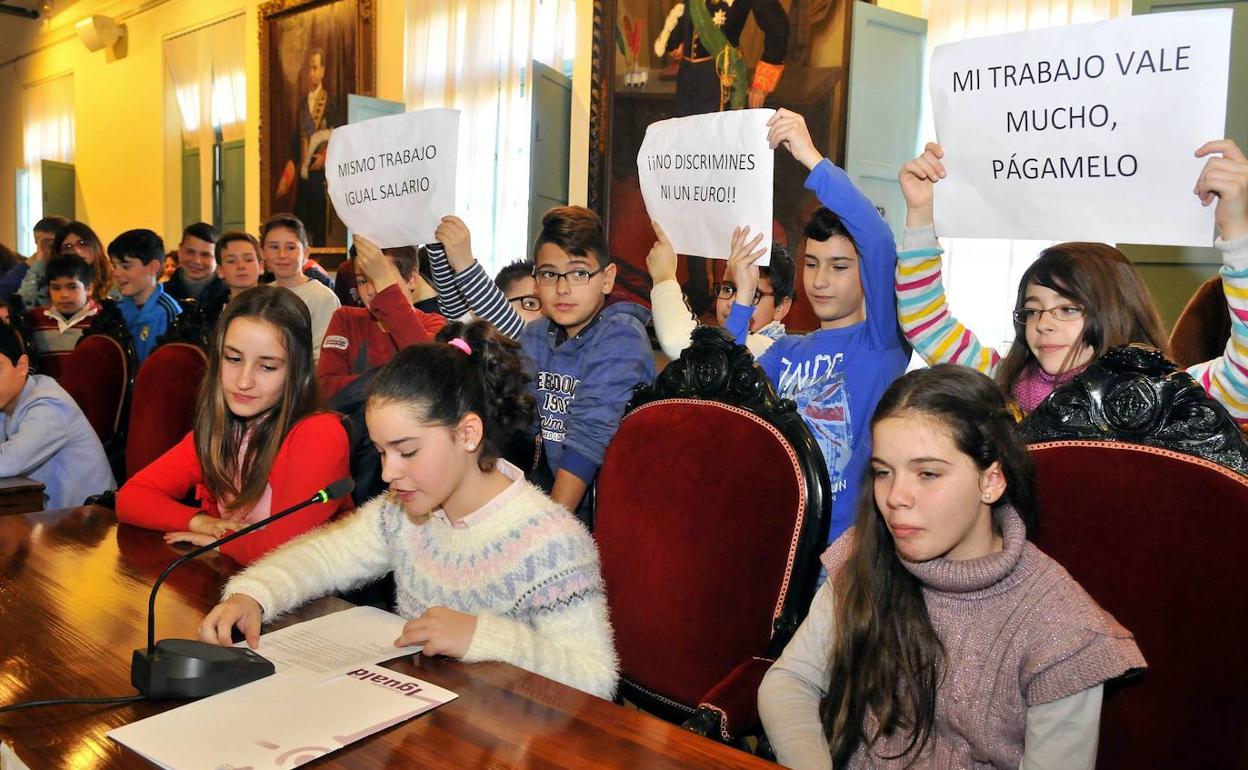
pixel 162 409
pixel 712 510
pixel 1142 482
pixel 97 374
pixel 1157 538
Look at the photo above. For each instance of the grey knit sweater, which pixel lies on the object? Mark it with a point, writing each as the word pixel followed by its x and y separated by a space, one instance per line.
pixel 1018 633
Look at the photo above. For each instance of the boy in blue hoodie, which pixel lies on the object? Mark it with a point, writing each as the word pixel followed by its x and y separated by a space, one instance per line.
pixel 43 433
pixel 838 373
pixel 587 355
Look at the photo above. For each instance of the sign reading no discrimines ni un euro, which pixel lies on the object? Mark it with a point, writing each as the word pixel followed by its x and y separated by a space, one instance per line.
pixel 703 175
pixel 1085 132
pixel 392 178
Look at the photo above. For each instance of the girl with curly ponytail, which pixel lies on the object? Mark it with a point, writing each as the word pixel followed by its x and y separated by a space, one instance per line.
pixel 943 638
pixel 485 565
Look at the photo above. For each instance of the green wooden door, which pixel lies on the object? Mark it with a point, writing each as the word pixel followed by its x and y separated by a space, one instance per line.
pixel 1173 273
pixel 232 186
pixel 550 139
pixel 58 189
pixel 191 197
pixel 887 51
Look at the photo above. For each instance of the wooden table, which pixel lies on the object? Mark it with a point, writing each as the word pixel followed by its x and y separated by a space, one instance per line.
pixel 73 596
pixel 19 494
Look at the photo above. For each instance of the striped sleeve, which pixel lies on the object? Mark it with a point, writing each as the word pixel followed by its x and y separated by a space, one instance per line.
pixel 924 312
pixel 487 301
pixel 450 303
pixel 1225 378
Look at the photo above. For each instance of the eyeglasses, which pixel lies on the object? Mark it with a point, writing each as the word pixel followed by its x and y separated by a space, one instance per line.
pixel 578 277
pixel 1030 315
pixel 727 290
pixel 70 247
pixel 528 302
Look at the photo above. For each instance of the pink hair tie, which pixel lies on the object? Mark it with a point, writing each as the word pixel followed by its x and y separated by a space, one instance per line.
pixel 462 345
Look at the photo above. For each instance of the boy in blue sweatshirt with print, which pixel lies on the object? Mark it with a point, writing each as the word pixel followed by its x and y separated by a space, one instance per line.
pixel 43 433
pixel 587 355
pixel 838 373
pixel 138 259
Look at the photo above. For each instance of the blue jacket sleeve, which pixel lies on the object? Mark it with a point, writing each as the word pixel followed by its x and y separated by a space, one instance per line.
pixel 620 361
pixel 877 251
pixel 11 281
pixel 738 322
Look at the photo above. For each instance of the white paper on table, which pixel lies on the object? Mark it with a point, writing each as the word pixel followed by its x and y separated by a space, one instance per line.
pixel 280 721
pixel 392 178
pixel 1122 166
pixel 703 175
pixel 320 649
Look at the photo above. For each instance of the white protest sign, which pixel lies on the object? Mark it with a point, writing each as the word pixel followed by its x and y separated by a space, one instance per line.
pixel 703 175
pixel 392 178
pixel 1084 132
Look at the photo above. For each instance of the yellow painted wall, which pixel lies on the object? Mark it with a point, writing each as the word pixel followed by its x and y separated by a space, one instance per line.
pixel 908 7
pixel 126 154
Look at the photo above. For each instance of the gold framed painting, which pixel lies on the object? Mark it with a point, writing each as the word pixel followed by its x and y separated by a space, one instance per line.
pixel 642 73
pixel 313 53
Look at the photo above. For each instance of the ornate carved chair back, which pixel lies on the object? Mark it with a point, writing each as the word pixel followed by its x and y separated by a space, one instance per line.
pixel 712 509
pixel 1134 394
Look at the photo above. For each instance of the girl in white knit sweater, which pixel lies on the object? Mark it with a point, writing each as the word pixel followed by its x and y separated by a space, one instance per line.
pixel 486 566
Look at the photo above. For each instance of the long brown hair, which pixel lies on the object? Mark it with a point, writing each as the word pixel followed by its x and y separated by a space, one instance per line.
pixel 886 658
pixel 101 266
pixel 1117 307
pixel 219 433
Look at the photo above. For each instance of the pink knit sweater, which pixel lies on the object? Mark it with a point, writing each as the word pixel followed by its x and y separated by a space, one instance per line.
pixel 1018 631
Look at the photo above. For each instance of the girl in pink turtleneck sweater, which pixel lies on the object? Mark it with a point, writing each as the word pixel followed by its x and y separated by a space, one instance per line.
pixel 943 638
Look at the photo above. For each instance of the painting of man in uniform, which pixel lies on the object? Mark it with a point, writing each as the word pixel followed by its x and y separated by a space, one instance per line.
pixel 311 66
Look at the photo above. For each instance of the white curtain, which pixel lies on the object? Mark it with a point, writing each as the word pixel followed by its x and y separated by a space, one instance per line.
pixel 981 275
pixel 474 56
pixel 209 81
pixel 47 134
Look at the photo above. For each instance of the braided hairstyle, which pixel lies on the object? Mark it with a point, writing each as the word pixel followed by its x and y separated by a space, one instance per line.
pixel 441 383
pixel 886 657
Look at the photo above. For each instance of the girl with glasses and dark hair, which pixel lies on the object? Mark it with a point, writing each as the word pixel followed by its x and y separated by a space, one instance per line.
pixel 1077 300
pixel 74 238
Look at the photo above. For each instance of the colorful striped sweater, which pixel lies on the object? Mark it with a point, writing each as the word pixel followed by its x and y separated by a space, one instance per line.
pixel 940 338
pixel 528 571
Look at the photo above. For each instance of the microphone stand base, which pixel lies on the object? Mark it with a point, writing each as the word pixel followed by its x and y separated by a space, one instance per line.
pixel 181 669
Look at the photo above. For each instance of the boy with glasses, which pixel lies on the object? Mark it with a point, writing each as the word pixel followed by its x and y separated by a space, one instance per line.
pixel 674 322
pixel 517 284
pixel 588 355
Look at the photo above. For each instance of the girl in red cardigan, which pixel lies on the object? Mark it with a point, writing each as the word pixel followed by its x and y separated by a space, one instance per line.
pixel 260 443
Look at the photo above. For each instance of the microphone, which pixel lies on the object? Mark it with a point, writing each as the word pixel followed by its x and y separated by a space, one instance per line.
pixel 185 668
